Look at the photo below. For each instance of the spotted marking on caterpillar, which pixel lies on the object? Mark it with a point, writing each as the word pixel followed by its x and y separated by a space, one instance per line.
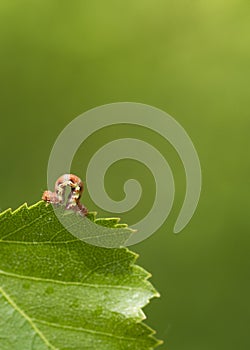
pixel 73 200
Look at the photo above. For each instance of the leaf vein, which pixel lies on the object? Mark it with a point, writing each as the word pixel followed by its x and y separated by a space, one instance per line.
pixel 91 285
pixel 81 329
pixel 27 318
pixel 24 226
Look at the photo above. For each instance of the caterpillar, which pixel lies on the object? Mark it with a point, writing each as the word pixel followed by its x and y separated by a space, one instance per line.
pixel 73 200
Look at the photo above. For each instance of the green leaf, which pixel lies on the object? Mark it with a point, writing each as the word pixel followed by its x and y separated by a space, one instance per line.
pixel 58 292
pixel 102 232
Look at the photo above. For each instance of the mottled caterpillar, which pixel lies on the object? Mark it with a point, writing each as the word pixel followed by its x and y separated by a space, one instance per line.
pixel 73 200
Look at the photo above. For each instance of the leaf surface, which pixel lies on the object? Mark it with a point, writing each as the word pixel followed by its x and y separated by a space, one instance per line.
pixel 58 292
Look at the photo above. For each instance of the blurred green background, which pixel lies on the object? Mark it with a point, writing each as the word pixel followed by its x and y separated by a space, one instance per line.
pixel 189 58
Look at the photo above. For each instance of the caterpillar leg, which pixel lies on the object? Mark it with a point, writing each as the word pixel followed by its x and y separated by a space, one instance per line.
pixel 50 197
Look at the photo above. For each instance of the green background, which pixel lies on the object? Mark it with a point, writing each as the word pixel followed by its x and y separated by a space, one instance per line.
pixel 189 58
